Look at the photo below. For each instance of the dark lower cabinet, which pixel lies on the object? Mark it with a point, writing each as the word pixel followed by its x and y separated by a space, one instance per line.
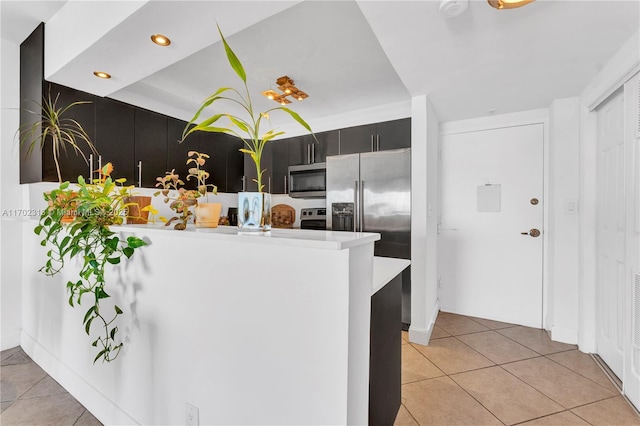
pixel 235 164
pixel 251 173
pixel 115 137
pixel 385 354
pixel 150 147
pixel 279 166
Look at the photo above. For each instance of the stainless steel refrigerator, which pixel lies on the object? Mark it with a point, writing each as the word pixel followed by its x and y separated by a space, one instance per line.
pixel 371 192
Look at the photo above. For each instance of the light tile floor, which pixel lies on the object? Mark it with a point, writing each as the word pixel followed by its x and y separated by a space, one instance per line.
pixel 474 372
pixel 482 372
pixel 31 397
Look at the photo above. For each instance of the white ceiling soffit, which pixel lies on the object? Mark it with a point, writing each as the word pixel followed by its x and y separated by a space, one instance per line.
pixel 116 37
pixel 510 60
pixel 19 18
pixel 327 48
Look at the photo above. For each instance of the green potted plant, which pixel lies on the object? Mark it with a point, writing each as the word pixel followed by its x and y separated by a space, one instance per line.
pixel 54 125
pixel 88 238
pixel 207 214
pixel 180 200
pixel 254 209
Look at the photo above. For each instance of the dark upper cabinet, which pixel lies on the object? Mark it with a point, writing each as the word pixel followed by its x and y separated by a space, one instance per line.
pixel 72 164
pixel 357 139
pixel 393 134
pixel 279 166
pixel 328 144
pixel 251 173
pixel 150 147
pixel 235 164
pixel 307 150
pixel 114 137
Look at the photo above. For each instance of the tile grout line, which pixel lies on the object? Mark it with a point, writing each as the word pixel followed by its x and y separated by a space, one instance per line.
pixel 475 399
pixel 410 414
pixel 577 372
pixel 552 414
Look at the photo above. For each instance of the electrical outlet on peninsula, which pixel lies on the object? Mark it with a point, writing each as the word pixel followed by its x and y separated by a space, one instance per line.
pixel 191 415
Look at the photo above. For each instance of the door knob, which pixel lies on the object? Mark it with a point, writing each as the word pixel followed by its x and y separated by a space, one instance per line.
pixel 533 232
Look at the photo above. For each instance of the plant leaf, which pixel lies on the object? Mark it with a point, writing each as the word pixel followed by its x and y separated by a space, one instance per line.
pixel 118 310
pixel 113 260
pixel 233 59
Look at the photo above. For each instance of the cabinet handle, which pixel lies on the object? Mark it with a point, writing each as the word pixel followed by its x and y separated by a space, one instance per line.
pixel 313 152
pixel 243 183
pixel 100 166
pixel 377 142
pixel 308 154
pixel 269 185
pixel 140 174
pixel 91 172
pixel 371 143
pixel 356 210
pixel 285 185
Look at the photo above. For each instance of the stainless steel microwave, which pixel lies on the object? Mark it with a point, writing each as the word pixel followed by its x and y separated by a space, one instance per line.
pixel 308 181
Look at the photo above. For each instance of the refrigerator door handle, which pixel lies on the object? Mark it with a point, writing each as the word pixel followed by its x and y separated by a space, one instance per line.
pixel 356 212
pixel 361 209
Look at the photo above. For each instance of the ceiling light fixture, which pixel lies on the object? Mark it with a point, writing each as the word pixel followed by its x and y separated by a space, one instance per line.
pixel 453 8
pixel 160 40
pixel 286 85
pixel 102 74
pixel 508 4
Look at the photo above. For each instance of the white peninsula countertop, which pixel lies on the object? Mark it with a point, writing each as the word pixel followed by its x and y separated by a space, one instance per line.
pixel 219 320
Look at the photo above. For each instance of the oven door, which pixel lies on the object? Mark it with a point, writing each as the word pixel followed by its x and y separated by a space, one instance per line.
pixel 308 181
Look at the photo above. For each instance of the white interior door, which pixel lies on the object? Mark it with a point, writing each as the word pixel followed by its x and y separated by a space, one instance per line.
pixel 611 233
pixel 488 268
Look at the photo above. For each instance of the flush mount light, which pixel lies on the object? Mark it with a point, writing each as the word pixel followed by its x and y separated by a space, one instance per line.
pixel 287 86
pixel 508 4
pixel 102 74
pixel 160 40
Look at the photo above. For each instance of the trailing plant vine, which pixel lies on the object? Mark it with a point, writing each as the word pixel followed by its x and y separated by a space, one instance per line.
pixel 94 207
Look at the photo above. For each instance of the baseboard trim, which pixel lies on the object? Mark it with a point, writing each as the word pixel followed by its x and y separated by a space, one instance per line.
pixel 422 336
pixel 564 335
pixel 99 405
pixel 10 340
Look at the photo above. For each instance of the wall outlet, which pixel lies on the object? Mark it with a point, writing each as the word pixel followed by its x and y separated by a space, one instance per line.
pixel 192 417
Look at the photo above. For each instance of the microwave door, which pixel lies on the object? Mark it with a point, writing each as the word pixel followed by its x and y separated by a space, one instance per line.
pixel 343 176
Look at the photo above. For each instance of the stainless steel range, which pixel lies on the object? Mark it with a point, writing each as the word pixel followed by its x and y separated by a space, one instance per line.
pixel 313 218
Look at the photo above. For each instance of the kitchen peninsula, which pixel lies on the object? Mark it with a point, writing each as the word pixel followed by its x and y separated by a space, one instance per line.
pixel 250 329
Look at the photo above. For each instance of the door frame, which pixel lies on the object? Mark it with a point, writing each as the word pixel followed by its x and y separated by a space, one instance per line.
pixel 538 116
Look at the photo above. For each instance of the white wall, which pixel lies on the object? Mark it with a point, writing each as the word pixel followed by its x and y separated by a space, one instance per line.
pixel 424 219
pixel 563 229
pixel 10 198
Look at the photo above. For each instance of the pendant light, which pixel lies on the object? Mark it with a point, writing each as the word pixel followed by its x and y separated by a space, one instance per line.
pixel 508 4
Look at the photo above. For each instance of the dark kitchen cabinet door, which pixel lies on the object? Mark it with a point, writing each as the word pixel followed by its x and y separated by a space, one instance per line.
pixel 235 164
pixel 72 164
pixel 394 134
pixel 176 151
pixel 251 173
pixel 328 144
pixel 114 138
pixel 298 150
pixel 150 147
pixel 214 145
pixel 357 139
pixel 279 166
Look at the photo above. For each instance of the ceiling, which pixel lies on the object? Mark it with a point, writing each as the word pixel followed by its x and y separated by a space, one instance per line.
pixel 347 55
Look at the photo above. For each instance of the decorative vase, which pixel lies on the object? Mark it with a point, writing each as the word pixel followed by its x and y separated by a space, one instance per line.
pixel 254 211
pixel 135 213
pixel 207 215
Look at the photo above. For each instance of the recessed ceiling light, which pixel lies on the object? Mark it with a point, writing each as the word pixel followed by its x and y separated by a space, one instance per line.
pixel 160 40
pixel 102 74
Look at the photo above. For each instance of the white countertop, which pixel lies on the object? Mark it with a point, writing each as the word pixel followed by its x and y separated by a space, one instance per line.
pixel 385 269
pixel 329 240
